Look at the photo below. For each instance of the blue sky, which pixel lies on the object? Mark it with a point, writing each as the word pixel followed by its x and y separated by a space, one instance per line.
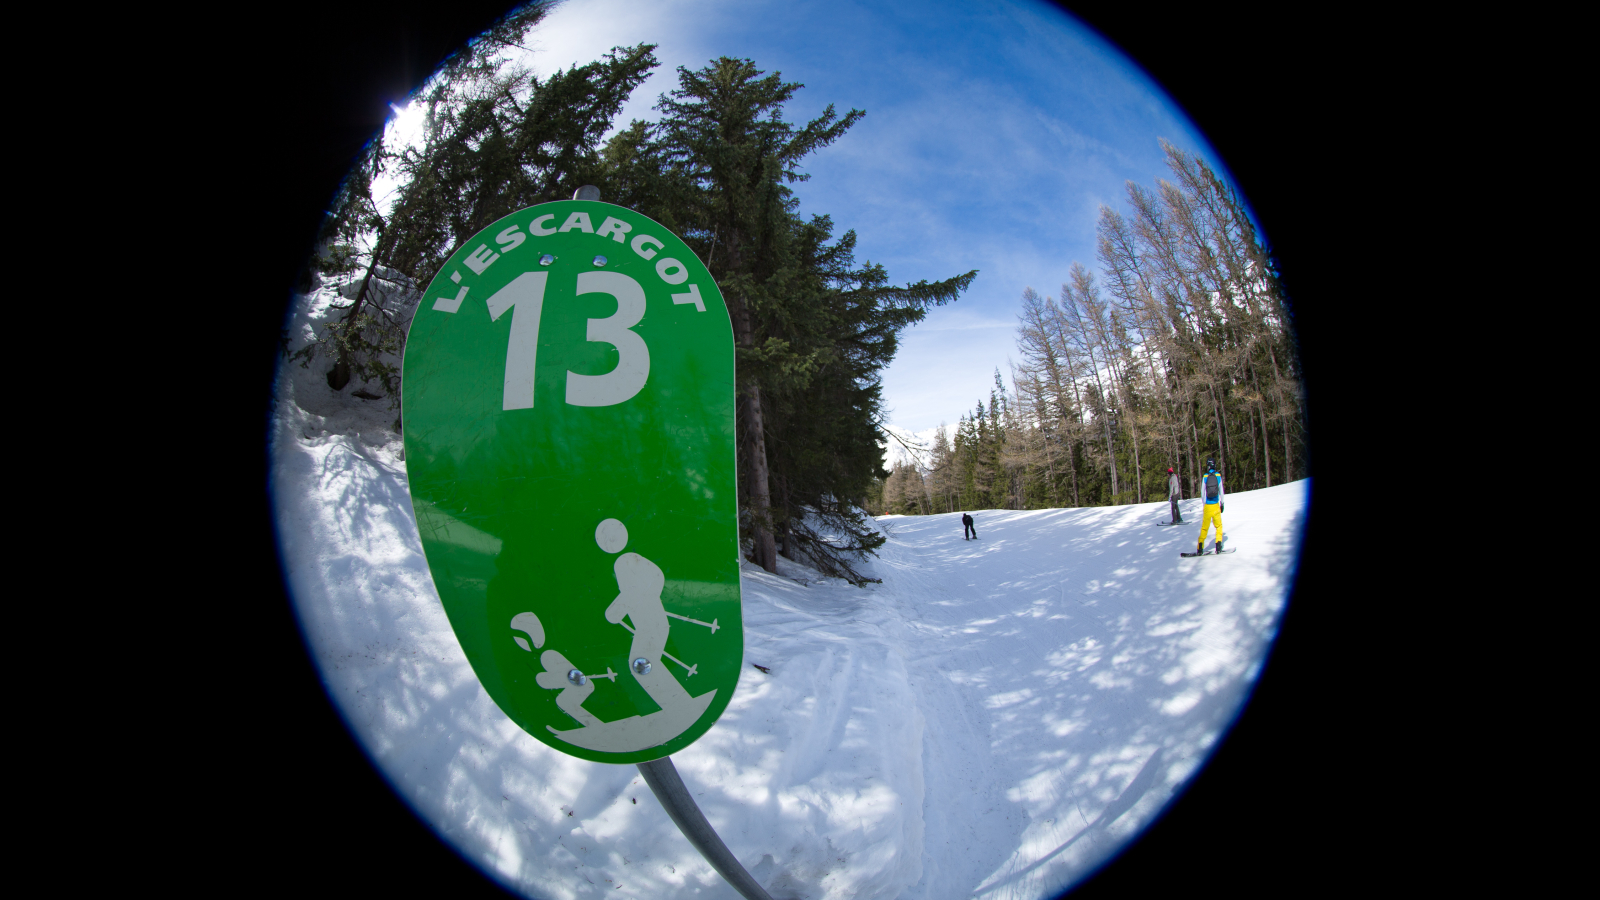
pixel 994 130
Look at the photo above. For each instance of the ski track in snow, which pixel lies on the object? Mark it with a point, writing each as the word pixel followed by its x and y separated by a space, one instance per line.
pixel 994 720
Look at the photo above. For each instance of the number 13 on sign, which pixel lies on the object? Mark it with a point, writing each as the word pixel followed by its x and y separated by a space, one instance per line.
pixel 523 298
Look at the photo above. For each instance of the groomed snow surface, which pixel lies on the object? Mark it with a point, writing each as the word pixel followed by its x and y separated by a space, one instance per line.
pixel 994 720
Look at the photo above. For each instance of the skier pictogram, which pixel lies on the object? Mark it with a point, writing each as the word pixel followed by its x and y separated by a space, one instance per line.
pixel 637 608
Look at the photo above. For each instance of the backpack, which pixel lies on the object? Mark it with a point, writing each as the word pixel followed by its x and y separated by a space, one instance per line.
pixel 1213 482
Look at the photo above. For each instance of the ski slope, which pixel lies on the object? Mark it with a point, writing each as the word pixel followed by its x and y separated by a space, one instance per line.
pixel 994 720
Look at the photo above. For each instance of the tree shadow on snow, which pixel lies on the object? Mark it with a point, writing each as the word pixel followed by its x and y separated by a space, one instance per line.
pixel 1096 667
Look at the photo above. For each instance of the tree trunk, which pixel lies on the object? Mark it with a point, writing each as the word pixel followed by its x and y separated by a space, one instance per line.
pixel 1250 426
pixel 1105 422
pixel 1111 454
pixel 783 538
pixel 1164 395
pixel 1266 447
pixel 1222 434
pixel 1125 402
pixel 1261 410
pixel 1194 449
pixel 1128 418
pixel 1288 453
pixel 1072 466
pixel 764 550
pixel 339 375
pixel 1049 471
pixel 1277 390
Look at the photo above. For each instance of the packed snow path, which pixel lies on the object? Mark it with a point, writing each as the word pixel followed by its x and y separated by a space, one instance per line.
pixel 1073 670
pixel 993 720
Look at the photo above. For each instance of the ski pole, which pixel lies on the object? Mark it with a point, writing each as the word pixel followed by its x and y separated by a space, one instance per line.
pixel 692 670
pixel 711 625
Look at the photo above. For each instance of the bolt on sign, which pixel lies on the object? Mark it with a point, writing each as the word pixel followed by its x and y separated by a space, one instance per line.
pixel 568 403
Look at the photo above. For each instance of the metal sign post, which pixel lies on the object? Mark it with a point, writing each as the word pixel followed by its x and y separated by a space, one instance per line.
pixel 568 398
pixel 662 776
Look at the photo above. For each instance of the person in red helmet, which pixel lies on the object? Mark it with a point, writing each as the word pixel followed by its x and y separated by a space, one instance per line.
pixel 1174 494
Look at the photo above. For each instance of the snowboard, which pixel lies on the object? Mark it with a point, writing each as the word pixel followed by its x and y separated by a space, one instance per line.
pixel 1211 552
pixel 1170 524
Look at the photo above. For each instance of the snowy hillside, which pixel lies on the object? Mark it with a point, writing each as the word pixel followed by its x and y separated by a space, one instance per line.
pixel 993 720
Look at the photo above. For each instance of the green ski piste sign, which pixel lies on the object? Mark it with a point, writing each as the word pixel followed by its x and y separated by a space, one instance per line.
pixel 568 400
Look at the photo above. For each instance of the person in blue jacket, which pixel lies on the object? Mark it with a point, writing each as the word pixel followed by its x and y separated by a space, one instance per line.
pixel 1211 491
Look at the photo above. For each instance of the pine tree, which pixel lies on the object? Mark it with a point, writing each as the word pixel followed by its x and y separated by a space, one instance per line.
pixel 504 142
pixel 942 481
pixel 812 328
pixel 723 133
pixel 1187 353
pixel 497 139
pixel 827 338
pixel 366 339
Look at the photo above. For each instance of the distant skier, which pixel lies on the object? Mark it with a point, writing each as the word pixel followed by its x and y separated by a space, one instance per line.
pixel 966 528
pixel 1211 490
pixel 1174 494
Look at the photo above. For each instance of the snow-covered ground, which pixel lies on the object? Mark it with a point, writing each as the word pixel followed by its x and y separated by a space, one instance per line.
pixel 994 720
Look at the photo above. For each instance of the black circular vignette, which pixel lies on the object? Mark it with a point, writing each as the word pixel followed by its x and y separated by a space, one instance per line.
pixel 320 818
pixel 1262 815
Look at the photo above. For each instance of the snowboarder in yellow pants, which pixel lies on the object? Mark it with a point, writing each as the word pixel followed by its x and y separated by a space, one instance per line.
pixel 1211 490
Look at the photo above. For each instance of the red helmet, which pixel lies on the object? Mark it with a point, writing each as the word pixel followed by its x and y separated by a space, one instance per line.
pixel 1169 471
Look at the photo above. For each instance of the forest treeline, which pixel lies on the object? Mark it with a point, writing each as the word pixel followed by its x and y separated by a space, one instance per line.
pixel 814 327
pixel 1182 350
